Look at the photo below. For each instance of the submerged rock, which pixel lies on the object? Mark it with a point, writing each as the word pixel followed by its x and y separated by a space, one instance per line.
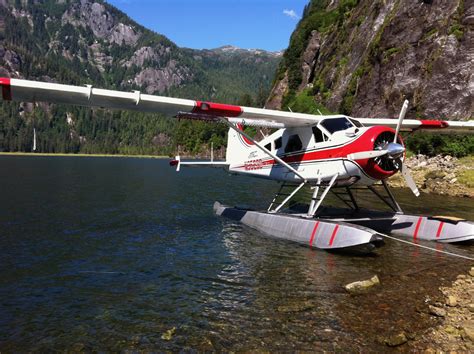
pixel 362 286
pixel 456 330
pixel 437 311
pixel 468 329
pixel 296 307
pixel 168 334
pixel 396 340
pixel 451 301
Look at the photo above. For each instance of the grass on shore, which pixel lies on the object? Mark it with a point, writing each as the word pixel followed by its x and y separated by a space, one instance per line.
pixel 466 176
pixel 80 155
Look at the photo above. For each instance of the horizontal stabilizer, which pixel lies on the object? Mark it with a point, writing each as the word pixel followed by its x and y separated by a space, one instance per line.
pixel 214 164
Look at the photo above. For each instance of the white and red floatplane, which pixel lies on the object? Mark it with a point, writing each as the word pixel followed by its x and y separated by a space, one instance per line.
pixel 326 152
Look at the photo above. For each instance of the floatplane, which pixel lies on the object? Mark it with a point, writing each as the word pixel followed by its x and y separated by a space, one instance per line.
pixel 328 153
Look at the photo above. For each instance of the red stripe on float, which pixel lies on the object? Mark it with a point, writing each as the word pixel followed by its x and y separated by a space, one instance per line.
pixel 417 228
pixel 313 233
pixel 217 109
pixel 333 236
pixel 6 88
pixel 440 228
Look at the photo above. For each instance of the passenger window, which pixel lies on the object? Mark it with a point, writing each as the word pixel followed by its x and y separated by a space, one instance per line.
pixel 278 143
pixel 268 146
pixel 318 135
pixel 333 125
pixel 294 144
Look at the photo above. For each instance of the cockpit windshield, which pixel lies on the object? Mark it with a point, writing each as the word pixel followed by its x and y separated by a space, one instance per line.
pixel 336 124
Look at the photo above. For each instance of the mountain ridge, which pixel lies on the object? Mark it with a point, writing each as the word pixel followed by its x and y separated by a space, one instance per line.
pixel 91 42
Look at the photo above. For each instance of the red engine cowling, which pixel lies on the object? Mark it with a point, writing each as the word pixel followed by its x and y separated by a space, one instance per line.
pixel 376 138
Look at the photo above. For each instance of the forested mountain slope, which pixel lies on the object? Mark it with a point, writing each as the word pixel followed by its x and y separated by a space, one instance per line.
pixel 91 42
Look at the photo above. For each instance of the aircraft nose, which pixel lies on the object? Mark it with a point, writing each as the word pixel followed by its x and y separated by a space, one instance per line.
pixel 395 150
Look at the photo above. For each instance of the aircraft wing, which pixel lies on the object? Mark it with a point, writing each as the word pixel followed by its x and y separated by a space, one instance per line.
pixel 35 91
pixel 423 124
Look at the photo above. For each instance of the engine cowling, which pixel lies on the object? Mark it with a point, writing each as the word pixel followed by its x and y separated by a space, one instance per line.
pixel 380 138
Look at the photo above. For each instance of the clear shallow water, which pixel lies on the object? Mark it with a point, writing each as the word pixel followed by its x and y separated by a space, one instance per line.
pixel 110 253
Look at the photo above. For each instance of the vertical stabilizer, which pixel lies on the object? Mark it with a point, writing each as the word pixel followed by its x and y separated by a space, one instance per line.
pixel 238 147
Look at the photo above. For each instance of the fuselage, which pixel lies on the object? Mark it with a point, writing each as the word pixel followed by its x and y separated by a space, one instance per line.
pixel 316 152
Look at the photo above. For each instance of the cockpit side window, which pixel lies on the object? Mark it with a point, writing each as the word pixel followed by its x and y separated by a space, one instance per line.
pixel 356 123
pixel 294 144
pixel 333 125
pixel 278 143
pixel 319 136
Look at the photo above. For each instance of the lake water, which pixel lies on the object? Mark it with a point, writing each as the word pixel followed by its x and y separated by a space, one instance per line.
pixel 125 254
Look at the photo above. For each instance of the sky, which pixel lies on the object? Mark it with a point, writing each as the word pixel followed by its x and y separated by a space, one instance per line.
pixel 262 24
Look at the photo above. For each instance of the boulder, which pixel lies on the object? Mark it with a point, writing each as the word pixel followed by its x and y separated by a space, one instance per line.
pixel 396 340
pixel 451 301
pixel 468 329
pixel 437 311
pixel 362 286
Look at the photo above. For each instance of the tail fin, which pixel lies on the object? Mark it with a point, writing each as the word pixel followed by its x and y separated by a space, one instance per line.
pixel 238 147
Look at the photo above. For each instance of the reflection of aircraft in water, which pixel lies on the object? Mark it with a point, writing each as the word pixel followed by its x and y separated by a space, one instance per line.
pixel 329 153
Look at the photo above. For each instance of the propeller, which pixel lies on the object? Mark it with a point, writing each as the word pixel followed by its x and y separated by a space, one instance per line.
pixel 400 119
pixel 367 154
pixel 409 180
pixel 388 153
pixel 400 150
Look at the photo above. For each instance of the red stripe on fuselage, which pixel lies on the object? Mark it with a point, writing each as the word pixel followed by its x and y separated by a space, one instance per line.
pixel 6 88
pixel 365 142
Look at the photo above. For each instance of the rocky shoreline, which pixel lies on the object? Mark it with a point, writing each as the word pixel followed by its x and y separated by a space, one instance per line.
pixel 456 331
pixel 440 175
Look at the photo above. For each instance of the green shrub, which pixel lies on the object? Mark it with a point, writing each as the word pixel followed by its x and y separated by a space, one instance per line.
pixel 304 102
pixel 457 30
pixel 435 144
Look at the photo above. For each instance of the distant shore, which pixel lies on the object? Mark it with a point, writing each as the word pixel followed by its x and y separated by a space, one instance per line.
pixel 440 175
pixel 80 155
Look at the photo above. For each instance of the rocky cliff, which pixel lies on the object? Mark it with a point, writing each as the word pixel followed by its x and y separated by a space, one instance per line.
pixel 364 57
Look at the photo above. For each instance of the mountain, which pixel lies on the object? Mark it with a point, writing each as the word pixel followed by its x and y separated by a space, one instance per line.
pixel 364 57
pixel 91 42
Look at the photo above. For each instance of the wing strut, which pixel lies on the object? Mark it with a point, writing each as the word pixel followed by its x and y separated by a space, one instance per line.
pixel 234 127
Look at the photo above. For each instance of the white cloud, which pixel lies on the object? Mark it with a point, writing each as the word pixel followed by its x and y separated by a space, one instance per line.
pixel 291 13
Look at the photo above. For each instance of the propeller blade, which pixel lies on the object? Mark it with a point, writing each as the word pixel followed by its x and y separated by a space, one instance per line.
pixel 409 180
pixel 400 119
pixel 366 154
